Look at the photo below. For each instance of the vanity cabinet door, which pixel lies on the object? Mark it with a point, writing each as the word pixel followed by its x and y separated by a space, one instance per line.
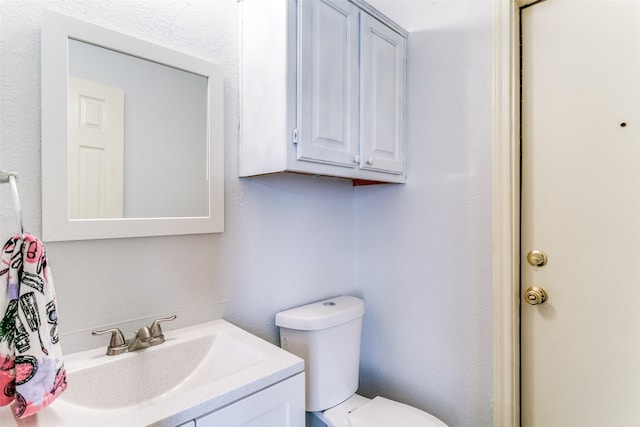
pixel 281 405
pixel 328 82
pixel 382 81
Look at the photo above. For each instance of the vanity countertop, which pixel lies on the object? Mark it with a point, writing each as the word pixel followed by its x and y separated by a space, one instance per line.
pixel 199 369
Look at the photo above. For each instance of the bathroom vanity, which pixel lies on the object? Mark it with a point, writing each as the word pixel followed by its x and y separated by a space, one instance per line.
pixel 271 407
pixel 212 374
pixel 322 90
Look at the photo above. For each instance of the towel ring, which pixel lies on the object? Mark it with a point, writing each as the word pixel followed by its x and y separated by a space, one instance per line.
pixel 16 203
pixel 12 178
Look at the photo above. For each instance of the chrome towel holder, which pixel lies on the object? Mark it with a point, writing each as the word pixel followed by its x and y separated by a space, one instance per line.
pixel 12 178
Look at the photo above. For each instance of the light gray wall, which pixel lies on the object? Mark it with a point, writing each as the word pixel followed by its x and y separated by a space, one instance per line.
pixel 288 240
pixel 423 250
pixel 419 254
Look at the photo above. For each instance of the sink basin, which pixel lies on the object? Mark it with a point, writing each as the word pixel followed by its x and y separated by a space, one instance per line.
pixel 195 371
pixel 134 378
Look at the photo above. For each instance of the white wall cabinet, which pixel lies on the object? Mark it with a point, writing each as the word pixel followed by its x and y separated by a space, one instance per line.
pixel 322 90
pixel 281 405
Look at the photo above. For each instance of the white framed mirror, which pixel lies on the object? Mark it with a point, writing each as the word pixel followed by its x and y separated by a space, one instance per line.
pixel 132 136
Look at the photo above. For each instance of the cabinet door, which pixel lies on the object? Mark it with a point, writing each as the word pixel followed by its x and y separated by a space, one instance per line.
pixel 328 82
pixel 382 74
pixel 281 405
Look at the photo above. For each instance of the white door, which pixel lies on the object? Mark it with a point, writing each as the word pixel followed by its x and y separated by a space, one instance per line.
pixel 580 349
pixel 95 150
pixel 328 82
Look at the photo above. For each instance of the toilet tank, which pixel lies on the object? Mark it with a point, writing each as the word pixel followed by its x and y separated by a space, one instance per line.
pixel 327 335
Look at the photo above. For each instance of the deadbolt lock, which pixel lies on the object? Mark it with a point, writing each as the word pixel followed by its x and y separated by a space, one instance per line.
pixel 535 295
pixel 537 258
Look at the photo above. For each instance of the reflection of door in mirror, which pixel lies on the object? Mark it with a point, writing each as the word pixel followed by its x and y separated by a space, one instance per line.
pixel 165 137
pixel 96 150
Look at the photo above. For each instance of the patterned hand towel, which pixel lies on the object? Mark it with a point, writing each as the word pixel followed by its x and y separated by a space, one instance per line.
pixel 31 369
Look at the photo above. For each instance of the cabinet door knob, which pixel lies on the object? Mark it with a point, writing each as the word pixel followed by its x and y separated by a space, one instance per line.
pixel 356 159
pixel 370 161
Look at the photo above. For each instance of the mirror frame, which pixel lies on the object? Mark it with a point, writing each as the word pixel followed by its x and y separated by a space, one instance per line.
pixel 57 29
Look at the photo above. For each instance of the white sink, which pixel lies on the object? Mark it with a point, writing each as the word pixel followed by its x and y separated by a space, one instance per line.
pixel 195 371
pixel 177 364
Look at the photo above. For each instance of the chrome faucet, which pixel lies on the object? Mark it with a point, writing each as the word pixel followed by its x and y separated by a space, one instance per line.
pixel 145 337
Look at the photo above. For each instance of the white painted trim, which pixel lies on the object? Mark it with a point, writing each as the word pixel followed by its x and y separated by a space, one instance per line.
pixel 506 214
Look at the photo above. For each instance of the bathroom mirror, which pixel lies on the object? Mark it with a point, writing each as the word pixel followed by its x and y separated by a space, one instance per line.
pixel 132 136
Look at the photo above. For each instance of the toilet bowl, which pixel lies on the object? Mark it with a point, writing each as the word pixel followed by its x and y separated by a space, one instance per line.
pixel 358 411
pixel 327 335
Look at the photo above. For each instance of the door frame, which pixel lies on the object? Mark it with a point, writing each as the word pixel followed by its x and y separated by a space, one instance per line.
pixel 506 211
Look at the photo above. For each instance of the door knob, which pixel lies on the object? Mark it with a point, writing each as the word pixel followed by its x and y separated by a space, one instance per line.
pixel 535 295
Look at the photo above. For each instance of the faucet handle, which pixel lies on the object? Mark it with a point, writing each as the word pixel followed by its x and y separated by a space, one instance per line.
pixel 156 330
pixel 117 343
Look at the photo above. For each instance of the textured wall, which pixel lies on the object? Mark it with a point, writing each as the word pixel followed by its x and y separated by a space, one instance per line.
pixel 420 254
pixel 288 240
pixel 424 249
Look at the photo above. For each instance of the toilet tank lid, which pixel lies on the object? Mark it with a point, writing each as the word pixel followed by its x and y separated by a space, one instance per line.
pixel 322 314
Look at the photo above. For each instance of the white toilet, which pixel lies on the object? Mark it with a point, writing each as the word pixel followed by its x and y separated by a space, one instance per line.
pixel 327 336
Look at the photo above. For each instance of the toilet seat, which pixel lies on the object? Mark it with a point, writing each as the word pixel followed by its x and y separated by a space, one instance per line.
pixel 358 411
pixel 381 412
